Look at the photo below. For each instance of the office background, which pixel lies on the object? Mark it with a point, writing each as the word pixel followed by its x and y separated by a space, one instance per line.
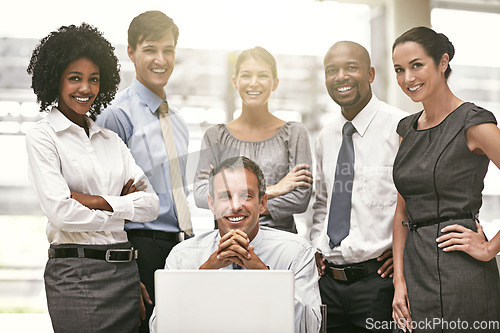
pixel 297 32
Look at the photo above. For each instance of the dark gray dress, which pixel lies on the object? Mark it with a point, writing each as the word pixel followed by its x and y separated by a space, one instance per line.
pixel 438 176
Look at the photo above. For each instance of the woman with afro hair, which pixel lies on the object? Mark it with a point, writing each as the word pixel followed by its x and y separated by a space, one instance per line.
pixel 88 185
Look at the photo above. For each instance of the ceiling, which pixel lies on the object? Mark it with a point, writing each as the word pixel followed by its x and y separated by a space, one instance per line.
pixel 489 6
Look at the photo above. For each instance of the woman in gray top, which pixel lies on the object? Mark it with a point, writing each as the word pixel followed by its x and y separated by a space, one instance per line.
pixel 280 148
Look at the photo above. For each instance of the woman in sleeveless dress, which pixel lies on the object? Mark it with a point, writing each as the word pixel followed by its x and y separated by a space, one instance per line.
pixel 280 148
pixel 445 273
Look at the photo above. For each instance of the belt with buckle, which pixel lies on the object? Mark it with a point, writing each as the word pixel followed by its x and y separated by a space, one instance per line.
pixel 157 234
pixel 109 255
pixel 414 225
pixel 352 272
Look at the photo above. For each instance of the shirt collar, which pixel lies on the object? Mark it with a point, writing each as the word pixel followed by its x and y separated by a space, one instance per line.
pixel 150 98
pixel 95 129
pixel 257 240
pixel 365 116
pixel 60 123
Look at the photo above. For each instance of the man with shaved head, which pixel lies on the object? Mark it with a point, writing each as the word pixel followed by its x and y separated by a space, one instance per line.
pixel 355 197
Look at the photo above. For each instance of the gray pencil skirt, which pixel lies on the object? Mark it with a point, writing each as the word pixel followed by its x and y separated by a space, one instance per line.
pixel 449 291
pixel 91 295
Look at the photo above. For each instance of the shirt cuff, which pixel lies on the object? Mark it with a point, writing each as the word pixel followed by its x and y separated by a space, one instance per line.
pixel 123 206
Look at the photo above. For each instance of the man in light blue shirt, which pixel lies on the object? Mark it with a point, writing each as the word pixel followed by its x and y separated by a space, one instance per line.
pixel 134 115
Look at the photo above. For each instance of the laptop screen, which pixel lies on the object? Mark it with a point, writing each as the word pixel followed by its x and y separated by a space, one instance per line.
pixel 224 301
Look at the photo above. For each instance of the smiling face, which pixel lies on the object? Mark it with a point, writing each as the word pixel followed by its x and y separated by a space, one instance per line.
pixel 78 88
pixel 348 76
pixel 416 72
pixel 154 62
pixel 236 203
pixel 255 82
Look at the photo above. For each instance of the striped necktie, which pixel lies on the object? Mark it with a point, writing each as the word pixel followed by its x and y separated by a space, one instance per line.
pixel 180 202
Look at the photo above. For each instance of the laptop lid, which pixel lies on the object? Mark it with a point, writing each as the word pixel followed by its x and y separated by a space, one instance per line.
pixel 224 301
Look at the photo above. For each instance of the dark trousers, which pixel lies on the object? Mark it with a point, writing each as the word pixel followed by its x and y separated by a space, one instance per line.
pixel 358 306
pixel 152 255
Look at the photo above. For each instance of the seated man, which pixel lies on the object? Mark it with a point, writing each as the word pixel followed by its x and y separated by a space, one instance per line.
pixel 237 197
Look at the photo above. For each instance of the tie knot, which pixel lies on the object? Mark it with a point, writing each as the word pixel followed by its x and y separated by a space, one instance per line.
pixel 163 109
pixel 348 129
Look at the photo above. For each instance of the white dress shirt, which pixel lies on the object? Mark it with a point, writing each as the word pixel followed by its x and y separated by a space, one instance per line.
pixel 279 250
pixel 62 158
pixel 373 195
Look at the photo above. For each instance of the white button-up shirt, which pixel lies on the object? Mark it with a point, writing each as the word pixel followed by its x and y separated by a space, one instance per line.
pixel 62 158
pixel 373 195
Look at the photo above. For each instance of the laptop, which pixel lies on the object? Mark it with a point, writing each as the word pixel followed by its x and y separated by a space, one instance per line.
pixel 197 301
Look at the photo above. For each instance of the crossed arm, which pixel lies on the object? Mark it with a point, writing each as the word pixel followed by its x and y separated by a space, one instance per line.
pixel 98 202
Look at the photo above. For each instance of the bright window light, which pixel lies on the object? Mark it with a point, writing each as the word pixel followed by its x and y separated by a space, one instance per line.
pixel 9 127
pixel 288 115
pixel 9 108
pixel 30 110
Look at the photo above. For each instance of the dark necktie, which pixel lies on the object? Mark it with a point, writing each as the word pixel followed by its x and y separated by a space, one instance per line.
pixel 340 205
pixel 236 266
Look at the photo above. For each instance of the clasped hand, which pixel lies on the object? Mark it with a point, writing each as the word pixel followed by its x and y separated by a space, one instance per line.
pixel 234 247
